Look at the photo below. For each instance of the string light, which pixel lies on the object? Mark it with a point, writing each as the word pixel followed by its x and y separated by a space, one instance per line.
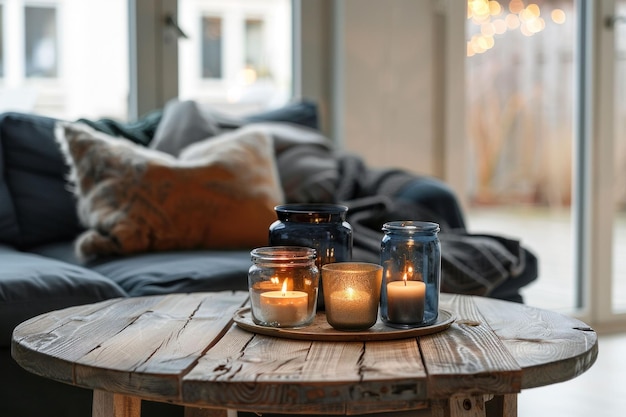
pixel 494 20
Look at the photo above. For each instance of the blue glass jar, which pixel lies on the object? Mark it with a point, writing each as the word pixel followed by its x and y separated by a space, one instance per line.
pixel 322 227
pixel 411 260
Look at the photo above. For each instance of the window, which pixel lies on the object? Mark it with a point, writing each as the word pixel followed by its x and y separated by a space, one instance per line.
pixel 255 48
pixel 211 47
pixel 238 59
pixel 65 59
pixel 41 43
pixel 1 41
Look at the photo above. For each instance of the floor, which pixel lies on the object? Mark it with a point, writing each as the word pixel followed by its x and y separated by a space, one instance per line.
pixel 601 391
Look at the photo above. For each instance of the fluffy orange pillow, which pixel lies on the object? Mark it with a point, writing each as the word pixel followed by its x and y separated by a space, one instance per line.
pixel 219 193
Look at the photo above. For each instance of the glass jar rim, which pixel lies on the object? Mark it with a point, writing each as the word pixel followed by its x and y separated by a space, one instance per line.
pixel 312 208
pixel 411 226
pixel 352 267
pixel 283 253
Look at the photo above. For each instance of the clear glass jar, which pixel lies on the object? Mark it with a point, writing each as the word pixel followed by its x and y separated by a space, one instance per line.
pixel 411 260
pixel 283 285
pixel 322 227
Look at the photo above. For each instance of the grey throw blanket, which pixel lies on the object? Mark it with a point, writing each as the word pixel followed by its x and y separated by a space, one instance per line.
pixel 312 171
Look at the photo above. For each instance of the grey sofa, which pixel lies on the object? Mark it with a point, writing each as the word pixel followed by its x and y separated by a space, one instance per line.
pixel 39 271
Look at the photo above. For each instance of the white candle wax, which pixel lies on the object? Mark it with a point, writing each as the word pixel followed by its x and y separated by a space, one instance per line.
pixel 351 309
pixel 405 301
pixel 286 308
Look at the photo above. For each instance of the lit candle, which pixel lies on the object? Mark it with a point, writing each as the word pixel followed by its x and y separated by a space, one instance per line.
pixel 286 308
pixel 351 309
pixel 405 301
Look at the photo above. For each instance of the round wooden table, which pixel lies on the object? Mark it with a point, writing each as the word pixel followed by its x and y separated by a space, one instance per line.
pixel 185 349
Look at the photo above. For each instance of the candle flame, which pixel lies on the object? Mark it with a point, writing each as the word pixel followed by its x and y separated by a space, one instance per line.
pixel 404 278
pixel 284 288
pixel 350 293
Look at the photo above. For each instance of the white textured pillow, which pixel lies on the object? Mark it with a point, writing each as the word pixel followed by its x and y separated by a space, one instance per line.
pixel 220 192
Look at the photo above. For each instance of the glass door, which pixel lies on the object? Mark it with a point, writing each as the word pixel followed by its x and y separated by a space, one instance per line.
pixel 520 107
pixel 546 115
pixel 618 24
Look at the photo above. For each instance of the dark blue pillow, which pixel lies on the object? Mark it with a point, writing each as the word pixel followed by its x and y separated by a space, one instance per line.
pixel 35 205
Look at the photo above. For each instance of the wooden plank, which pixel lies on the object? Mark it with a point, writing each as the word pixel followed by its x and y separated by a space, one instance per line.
pixel 467 406
pixel 171 338
pixel 551 347
pixel 391 373
pixel 470 406
pixel 307 377
pixel 49 345
pixel 254 373
pixel 468 357
pixel 58 318
pixel 108 404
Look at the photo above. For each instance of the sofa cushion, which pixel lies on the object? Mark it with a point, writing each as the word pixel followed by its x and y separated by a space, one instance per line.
pixel 35 205
pixel 31 284
pixel 185 122
pixel 220 193
pixel 182 271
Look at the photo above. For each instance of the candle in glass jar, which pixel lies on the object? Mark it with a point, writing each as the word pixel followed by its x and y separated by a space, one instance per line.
pixel 287 308
pixel 405 301
pixel 351 309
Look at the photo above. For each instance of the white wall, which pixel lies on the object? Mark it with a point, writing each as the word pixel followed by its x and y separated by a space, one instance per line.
pixel 389 97
pixel 388 83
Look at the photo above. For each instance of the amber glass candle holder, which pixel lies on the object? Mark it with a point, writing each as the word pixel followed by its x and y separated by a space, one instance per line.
pixel 283 285
pixel 351 294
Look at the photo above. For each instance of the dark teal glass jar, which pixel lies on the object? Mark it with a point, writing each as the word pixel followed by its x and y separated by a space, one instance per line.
pixel 411 260
pixel 322 227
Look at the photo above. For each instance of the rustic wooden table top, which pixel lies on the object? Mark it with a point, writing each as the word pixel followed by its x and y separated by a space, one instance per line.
pixel 185 349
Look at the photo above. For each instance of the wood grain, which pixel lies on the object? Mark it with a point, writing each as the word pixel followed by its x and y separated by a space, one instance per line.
pixel 51 345
pixel 185 349
pixel 149 362
pixel 468 357
pixel 107 404
pixel 551 347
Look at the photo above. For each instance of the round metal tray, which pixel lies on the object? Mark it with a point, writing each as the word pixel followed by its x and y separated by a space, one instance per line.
pixel 320 330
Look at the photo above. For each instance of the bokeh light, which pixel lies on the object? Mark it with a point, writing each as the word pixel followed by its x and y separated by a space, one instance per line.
pixel 558 16
pixel 494 20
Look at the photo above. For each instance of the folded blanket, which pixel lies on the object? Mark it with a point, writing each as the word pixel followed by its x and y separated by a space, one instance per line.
pixel 313 171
